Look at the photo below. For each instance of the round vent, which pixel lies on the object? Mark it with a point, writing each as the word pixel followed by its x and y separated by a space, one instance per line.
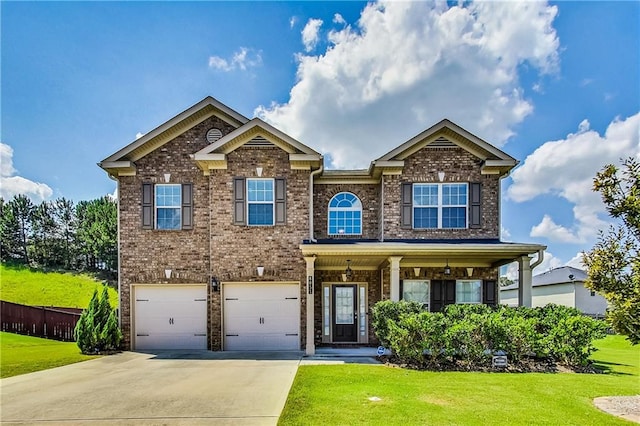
pixel 213 135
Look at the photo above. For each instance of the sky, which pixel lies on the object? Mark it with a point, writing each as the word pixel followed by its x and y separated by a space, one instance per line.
pixel 554 84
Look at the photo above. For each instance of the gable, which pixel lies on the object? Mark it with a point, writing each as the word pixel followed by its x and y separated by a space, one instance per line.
pixel 122 163
pixel 446 134
pixel 257 134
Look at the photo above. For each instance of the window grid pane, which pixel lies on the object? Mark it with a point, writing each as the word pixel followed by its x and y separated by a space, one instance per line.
pixel 345 215
pixel 440 205
pixel 416 291
pixel 425 217
pixel 168 201
pixel 260 202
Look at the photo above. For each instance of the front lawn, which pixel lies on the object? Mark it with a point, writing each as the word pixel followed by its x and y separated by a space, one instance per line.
pixel 24 354
pixel 370 395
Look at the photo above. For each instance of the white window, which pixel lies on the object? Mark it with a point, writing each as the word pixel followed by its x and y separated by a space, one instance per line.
pixel 416 291
pixel 440 205
pixel 168 202
pixel 345 214
pixel 260 202
pixel 468 291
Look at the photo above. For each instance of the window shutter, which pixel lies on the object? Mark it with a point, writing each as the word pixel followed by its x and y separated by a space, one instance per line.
pixel 281 201
pixel 406 205
pixel 475 199
pixel 147 205
pixel 489 293
pixel 239 201
pixel 187 206
pixel 449 292
pixel 401 289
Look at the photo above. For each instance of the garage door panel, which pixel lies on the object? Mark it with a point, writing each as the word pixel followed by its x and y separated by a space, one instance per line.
pixel 171 317
pixel 261 316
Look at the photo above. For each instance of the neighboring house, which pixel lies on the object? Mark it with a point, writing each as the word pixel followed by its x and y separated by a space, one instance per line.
pixel 233 236
pixel 562 286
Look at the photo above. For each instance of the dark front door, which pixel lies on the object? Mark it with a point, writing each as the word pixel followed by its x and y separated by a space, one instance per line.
pixel 345 314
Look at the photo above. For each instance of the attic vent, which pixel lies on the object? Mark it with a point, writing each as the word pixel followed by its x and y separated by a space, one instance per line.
pixel 213 135
pixel 442 142
pixel 258 141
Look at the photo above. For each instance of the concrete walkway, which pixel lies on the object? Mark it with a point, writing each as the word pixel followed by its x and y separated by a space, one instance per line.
pixel 186 388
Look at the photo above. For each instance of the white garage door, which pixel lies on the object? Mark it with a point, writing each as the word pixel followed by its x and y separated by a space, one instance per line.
pixel 262 316
pixel 170 317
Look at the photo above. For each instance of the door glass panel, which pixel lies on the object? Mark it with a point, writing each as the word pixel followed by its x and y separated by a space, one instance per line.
pixel 344 305
pixel 326 314
pixel 363 311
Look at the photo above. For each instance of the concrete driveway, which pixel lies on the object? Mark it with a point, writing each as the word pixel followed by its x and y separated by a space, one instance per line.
pixel 186 388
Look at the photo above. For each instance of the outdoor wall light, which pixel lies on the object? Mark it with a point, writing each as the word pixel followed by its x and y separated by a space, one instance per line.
pixel 416 271
pixel 348 273
pixel 447 269
pixel 260 270
pixel 215 285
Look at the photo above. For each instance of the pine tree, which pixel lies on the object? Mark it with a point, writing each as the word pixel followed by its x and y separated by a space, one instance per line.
pixel 97 329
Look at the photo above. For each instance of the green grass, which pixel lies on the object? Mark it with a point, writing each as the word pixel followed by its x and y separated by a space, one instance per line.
pixel 36 288
pixel 339 394
pixel 25 354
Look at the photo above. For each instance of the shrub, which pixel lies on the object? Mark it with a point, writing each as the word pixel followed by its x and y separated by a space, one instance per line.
pixel 386 310
pixel 472 333
pixel 97 329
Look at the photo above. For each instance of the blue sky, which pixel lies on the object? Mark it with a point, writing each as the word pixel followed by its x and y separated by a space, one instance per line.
pixel 556 85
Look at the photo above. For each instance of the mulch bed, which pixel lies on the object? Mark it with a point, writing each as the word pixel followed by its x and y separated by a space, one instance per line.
pixel 527 365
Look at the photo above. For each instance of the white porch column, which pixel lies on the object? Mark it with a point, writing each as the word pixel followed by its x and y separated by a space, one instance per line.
pixel 310 287
pixel 524 281
pixel 394 262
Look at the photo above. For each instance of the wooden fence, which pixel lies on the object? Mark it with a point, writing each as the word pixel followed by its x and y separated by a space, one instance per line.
pixel 49 322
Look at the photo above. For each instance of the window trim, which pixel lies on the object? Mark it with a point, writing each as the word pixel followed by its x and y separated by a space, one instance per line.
pixel 439 206
pixel 156 207
pixel 352 209
pixel 480 301
pixel 272 202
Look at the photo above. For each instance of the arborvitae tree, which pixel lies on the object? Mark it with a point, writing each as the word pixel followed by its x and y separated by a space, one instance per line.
pixel 97 329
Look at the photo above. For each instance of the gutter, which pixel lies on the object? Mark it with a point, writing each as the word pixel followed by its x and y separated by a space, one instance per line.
pixel 311 176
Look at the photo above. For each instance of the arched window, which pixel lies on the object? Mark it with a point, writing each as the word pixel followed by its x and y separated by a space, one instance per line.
pixel 345 214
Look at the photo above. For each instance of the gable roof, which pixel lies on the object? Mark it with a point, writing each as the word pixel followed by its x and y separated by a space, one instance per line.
pixel 448 134
pixel 122 162
pixel 256 133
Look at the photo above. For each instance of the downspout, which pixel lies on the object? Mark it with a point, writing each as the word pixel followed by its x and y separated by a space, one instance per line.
pixel 382 208
pixel 311 176
pixel 539 261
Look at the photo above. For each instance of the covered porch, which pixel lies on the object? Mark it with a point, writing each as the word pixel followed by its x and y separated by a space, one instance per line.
pixel 364 272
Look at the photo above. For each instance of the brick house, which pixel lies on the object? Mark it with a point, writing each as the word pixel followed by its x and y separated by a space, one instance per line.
pixel 233 236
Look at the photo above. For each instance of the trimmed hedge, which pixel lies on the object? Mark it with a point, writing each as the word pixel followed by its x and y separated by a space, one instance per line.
pixel 471 334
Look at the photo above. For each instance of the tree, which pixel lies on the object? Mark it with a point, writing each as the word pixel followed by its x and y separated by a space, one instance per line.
pixel 9 233
pixel 614 262
pixel 97 329
pixel 66 219
pixel 43 235
pixel 98 232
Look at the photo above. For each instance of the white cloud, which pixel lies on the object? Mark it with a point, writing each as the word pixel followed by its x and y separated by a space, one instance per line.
pixel 139 135
pixel 565 168
pixel 242 59
pixel 338 19
pixel 504 234
pixel 11 185
pixel 311 34
pixel 576 262
pixel 292 21
pixel 547 228
pixel 406 65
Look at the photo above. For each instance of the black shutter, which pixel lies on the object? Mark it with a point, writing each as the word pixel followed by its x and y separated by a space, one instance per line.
pixel 239 201
pixel 406 205
pixel 449 292
pixel 401 289
pixel 475 200
pixel 490 293
pixel 147 205
pixel 187 206
pixel 281 201
pixel 437 295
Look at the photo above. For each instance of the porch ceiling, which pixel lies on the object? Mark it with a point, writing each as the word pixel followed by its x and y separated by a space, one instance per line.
pixel 374 255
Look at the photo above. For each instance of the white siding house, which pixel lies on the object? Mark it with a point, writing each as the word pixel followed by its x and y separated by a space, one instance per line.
pixel 562 286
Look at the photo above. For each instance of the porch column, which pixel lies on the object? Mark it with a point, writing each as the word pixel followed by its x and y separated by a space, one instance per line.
pixel 524 281
pixel 311 346
pixel 394 262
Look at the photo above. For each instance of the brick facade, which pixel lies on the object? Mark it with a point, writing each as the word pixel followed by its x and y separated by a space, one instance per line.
pixel 216 247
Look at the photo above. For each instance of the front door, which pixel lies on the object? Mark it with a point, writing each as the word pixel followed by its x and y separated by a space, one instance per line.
pixel 345 313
